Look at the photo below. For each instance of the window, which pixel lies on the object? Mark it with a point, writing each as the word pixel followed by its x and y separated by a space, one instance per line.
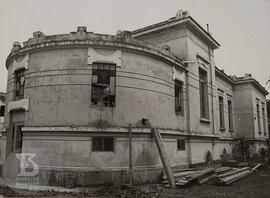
pixel 221 113
pixel 102 144
pixel 259 118
pixel 178 89
pixel 263 117
pixel 19 84
pixel 17 137
pixel 203 94
pixel 2 111
pixel 103 85
pixel 230 116
pixel 181 144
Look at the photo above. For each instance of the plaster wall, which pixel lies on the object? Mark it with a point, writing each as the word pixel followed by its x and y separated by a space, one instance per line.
pixel 258 98
pixel 226 91
pixel 243 112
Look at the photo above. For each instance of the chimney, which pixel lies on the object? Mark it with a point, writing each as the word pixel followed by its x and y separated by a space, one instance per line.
pixel 38 34
pixel 16 46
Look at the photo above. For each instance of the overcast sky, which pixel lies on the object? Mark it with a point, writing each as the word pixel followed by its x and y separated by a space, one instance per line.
pixel 242 27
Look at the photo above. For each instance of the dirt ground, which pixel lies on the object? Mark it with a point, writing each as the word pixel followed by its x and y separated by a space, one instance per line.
pixel 253 186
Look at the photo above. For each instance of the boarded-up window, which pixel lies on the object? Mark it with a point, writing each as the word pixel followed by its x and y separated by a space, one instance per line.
pixel 103 84
pixel 178 88
pixel 221 113
pixel 102 144
pixel 19 84
pixel 204 105
pixel 181 144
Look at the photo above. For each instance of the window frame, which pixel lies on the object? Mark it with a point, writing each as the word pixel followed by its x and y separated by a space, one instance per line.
pixel 181 144
pixel 230 115
pixel 258 118
pixel 103 144
pixel 106 99
pixel 221 113
pixel 19 90
pixel 203 91
pixel 2 110
pixel 178 96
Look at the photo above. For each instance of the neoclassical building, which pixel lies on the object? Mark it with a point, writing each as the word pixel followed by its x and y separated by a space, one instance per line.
pixel 73 98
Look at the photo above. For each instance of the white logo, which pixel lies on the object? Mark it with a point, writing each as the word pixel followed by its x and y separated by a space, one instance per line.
pixel 27 162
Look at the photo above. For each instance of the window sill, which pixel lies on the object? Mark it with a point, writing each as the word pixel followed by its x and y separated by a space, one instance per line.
pixel 205 120
pixel 222 129
pixel 231 130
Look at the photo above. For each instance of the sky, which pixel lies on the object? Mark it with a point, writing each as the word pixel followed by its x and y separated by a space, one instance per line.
pixel 242 27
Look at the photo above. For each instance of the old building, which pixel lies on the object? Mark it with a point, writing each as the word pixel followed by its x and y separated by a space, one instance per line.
pixel 2 128
pixel 73 98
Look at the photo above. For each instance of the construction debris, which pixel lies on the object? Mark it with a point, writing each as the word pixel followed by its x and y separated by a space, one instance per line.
pixel 220 176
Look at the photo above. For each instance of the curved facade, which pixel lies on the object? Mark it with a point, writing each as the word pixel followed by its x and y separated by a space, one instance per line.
pixel 81 91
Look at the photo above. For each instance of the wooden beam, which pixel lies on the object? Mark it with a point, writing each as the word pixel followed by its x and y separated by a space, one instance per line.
pixel 163 157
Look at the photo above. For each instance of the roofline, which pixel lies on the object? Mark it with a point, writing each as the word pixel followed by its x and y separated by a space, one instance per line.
pixel 253 81
pixel 223 74
pixel 173 22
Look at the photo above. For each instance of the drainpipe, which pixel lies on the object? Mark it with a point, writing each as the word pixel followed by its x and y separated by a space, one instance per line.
pixel 212 91
pixel 188 120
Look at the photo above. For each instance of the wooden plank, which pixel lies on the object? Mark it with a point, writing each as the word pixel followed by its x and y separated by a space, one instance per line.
pixel 233 172
pixel 163 157
pixel 235 177
pixel 201 174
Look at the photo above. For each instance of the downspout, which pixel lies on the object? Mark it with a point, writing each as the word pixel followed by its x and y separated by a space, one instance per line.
pixel 212 91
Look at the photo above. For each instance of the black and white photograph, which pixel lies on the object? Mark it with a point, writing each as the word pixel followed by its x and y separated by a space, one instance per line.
pixel 135 99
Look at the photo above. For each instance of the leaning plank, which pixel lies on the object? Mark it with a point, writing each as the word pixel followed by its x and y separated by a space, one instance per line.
pixel 233 172
pixel 236 177
pixel 163 156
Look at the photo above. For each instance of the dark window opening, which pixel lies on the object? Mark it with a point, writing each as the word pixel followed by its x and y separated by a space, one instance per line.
pixel 2 111
pixel 102 144
pixel 103 85
pixel 178 88
pixel 204 103
pixel 181 144
pixel 230 115
pixel 263 117
pixel 221 113
pixel 17 138
pixel 258 118
pixel 19 84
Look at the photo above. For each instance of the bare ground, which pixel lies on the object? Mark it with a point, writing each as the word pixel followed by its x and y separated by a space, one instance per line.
pixel 253 186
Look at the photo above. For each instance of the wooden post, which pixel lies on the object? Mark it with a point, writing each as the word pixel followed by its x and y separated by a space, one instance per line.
pixel 130 171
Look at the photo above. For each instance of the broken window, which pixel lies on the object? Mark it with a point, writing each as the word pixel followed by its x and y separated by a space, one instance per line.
pixel 19 84
pixel 102 144
pixel 178 88
pixel 203 94
pixel 103 84
pixel 230 115
pixel 221 113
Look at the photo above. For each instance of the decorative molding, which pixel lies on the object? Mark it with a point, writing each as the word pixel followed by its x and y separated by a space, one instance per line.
pixel 19 104
pixel 179 75
pixel 21 64
pixel 114 57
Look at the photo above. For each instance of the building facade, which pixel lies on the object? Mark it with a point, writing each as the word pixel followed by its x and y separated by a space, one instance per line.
pixel 2 128
pixel 73 98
